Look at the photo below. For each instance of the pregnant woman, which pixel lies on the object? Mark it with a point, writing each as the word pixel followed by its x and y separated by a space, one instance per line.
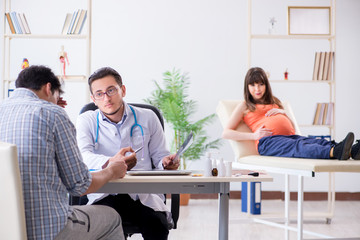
pixel 274 132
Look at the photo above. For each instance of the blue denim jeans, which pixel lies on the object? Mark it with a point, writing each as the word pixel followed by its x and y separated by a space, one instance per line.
pixel 295 146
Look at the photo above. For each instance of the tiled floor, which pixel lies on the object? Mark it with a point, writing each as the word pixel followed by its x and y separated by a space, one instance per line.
pixel 199 220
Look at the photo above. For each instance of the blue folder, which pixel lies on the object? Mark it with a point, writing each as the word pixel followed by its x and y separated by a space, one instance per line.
pixel 255 197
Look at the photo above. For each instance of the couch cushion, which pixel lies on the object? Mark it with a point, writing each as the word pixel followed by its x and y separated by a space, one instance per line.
pixel 314 165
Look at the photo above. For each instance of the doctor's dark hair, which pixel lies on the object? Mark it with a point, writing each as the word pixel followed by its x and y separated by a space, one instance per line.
pixel 104 72
pixel 35 76
pixel 258 75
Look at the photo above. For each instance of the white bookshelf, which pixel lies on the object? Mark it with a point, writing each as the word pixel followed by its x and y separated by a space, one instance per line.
pixel 47 39
pixel 268 38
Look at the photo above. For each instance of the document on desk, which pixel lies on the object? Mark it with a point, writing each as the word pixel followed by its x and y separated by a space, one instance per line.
pixel 159 172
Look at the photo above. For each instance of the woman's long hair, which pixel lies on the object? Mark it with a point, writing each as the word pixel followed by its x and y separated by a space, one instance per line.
pixel 257 75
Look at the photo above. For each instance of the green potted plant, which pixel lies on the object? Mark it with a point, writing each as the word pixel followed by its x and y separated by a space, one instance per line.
pixel 172 100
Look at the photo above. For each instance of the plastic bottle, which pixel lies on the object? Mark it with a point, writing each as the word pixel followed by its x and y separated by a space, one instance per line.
pixel 208 165
pixel 221 168
pixel 228 169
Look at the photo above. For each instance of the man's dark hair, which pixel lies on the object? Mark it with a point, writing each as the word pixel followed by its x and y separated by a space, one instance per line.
pixel 34 77
pixel 104 72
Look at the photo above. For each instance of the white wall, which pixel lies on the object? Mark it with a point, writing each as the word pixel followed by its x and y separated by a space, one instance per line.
pixel 208 39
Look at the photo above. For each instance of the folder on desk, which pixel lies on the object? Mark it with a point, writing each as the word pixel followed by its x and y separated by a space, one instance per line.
pixel 255 197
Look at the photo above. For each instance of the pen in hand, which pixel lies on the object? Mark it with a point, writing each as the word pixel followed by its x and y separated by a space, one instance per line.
pixel 135 151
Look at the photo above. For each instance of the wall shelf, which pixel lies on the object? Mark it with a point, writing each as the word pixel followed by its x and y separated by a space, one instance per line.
pixel 272 36
pixel 46 36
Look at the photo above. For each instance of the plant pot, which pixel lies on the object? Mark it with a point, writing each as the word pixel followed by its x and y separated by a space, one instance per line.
pixel 184 199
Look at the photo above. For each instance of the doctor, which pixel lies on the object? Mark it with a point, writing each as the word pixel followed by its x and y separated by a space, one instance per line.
pixel 103 132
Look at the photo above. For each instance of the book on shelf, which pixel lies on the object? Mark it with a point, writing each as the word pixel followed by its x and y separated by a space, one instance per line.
pixel 27 28
pixel 326 66
pixel 66 23
pixel 74 22
pixel 10 22
pixel 83 22
pixel 323 65
pixel 316 66
pixel 80 22
pixel 17 23
pixel 323 114
pixel 329 115
pixel 331 62
pixel 18 16
pixel 317 113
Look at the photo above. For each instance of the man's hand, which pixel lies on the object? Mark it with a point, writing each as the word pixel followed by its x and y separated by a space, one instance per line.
pixel 118 168
pixel 130 160
pixel 113 169
pixel 170 163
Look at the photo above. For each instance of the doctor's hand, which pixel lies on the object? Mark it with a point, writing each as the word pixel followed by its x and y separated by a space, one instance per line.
pixel 130 160
pixel 170 163
pixel 262 132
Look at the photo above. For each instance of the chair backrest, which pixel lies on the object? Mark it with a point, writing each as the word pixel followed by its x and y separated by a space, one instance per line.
pixel 91 106
pixel 245 148
pixel 12 217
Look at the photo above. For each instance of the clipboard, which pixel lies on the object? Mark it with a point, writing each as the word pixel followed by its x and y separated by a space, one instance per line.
pixel 187 143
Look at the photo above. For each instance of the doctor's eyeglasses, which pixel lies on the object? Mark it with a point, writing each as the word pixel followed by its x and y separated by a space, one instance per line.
pixel 110 92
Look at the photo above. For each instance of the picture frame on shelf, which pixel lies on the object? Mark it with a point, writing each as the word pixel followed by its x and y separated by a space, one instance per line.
pixel 309 20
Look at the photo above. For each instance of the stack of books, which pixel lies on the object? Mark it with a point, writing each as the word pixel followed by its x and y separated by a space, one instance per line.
pixel 324 114
pixel 323 66
pixel 17 23
pixel 74 23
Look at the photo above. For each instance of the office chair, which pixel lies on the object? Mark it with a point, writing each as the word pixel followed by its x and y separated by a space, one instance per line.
pixel 12 217
pixel 130 229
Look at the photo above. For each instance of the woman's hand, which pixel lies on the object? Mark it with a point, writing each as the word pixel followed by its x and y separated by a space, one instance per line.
pixel 274 111
pixel 262 132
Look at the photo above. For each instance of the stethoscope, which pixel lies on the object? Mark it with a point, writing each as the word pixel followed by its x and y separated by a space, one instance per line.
pixel 136 124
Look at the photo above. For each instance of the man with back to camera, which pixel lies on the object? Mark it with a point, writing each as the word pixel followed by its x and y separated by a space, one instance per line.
pixel 101 133
pixel 51 165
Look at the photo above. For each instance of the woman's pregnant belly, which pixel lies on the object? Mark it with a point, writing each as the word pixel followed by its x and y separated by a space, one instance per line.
pixel 279 124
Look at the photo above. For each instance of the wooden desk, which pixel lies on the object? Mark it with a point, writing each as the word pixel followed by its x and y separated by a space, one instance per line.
pixel 185 184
